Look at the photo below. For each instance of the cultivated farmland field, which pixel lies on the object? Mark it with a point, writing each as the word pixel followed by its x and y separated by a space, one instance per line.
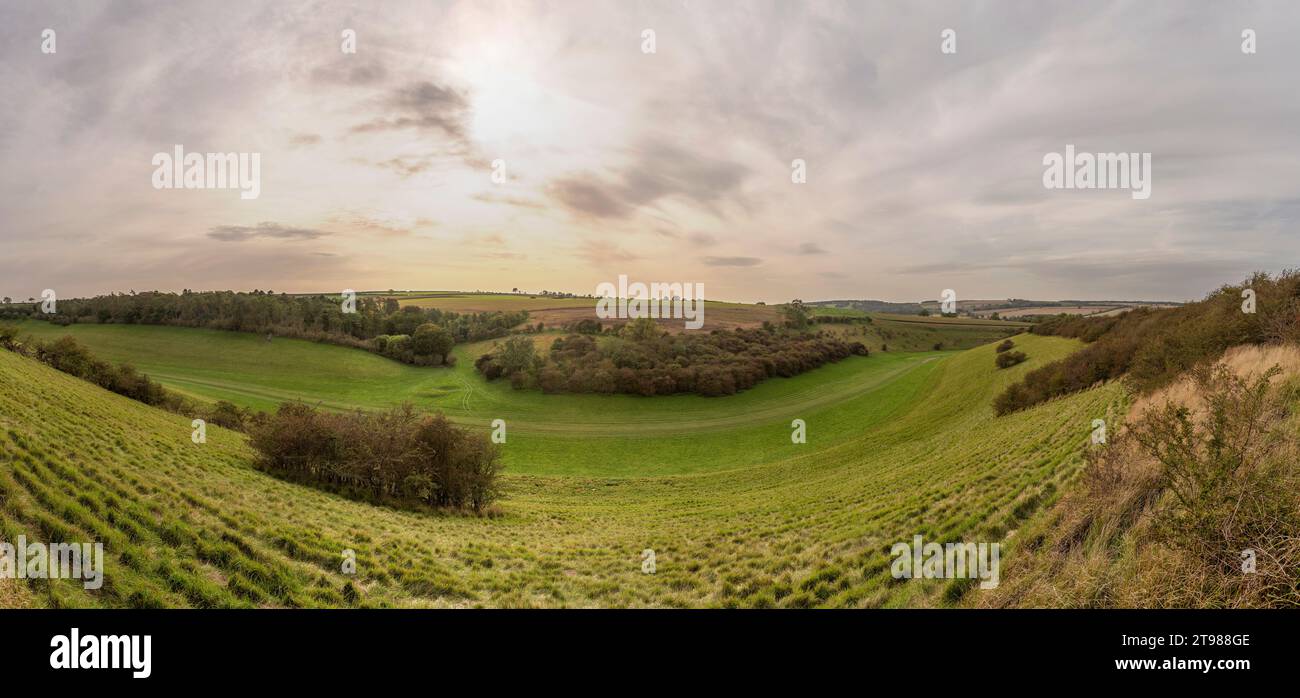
pixel 558 312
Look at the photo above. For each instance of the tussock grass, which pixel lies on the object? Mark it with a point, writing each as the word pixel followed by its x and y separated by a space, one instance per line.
pixel 1123 539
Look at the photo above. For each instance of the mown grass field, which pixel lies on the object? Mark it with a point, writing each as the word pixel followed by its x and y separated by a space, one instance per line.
pixel 811 525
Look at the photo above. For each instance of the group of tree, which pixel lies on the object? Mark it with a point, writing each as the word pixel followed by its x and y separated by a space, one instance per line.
pixel 642 359
pixel 398 457
pixel 1152 346
pixel 380 323
pixel 841 319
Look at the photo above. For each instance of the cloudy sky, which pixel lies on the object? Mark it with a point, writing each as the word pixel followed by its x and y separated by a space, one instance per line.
pixel 924 169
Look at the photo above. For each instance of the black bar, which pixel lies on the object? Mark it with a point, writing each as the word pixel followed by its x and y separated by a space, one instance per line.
pixel 952 648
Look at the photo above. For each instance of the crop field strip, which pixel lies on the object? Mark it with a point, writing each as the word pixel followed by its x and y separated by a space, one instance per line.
pixel 197 525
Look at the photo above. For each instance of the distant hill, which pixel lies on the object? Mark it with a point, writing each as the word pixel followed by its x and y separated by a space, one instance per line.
pixel 870 306
pixel 1005 307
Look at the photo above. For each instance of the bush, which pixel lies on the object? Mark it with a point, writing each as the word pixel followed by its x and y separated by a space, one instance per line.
pixel 1229 466
pixel 228 415
pixel 8 336
pixel 396 456
pixel 1009 359
pixel 1151 347
pixel 1005 346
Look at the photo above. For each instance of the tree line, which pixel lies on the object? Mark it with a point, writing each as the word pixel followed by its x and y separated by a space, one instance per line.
pixel 422 336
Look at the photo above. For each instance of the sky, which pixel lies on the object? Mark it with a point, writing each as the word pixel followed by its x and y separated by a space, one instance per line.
pixel 924 168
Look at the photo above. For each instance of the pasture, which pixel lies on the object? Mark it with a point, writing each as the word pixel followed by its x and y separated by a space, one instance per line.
pixel 912 448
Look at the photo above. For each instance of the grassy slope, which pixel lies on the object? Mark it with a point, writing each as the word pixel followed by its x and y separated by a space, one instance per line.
pixel 669 435
pixel 187 524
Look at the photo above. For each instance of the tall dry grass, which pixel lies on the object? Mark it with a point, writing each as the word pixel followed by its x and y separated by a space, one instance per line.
pixel 1204 469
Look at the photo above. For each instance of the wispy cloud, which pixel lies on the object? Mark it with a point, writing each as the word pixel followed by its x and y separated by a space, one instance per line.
pixel 732 261
pixel 242 233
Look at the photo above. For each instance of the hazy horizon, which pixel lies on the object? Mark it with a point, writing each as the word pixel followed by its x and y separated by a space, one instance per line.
pixel 924 169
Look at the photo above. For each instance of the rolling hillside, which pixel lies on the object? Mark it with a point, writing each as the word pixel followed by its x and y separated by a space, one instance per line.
pixel 670 434
pixel 788 525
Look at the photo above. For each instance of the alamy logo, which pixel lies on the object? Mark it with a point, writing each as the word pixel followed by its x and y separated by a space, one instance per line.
pixel 77 651
pixel 922 560
pixel 25 560
pixel 184 170
pixel 1099 171
pixel 637 300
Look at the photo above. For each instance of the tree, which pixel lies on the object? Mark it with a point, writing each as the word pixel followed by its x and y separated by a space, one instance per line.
pixel 796 315
pixel 431 340
pixel 642 329
pixel 518 355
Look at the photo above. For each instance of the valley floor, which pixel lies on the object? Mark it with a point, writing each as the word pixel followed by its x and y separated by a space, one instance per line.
pixel 915 452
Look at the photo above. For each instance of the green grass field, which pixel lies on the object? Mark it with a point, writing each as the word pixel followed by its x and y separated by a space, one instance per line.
pixel 548 434
pixel 913 448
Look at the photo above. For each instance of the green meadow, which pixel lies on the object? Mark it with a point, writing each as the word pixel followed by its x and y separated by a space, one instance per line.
pixel 607 435
pixel 736 514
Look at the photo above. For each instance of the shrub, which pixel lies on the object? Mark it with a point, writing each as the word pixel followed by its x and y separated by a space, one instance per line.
pixel 228 415
pixel 1229 464
pixel 1151 347
pixel 8 336
pixel 396 456
pixel 1005 346
pixel 1009 359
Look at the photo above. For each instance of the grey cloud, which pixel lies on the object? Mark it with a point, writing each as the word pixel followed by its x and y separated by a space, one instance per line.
pixel 732 261
pixel 351 70
pixel 242 233
pixel 603 252
pixel 656 171
pixel 810 248
pixel 516 201
pixel 425 107
pixel 589 197
pixel 404 166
